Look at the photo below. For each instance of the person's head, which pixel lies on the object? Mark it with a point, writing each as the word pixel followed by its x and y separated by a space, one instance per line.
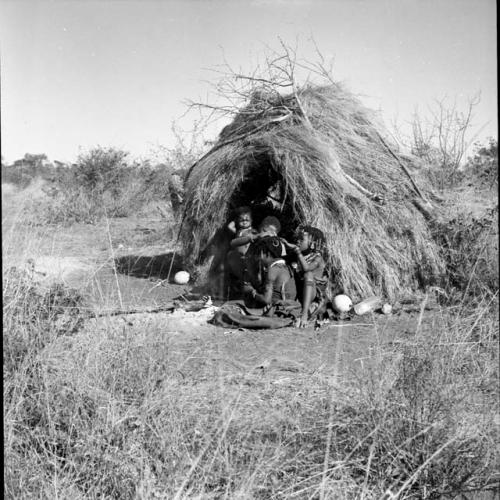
pixel 269 249
pixel 243 217
pixel 310 238
pixel 270 224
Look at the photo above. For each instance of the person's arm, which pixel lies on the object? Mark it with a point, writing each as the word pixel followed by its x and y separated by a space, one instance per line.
pixel 243 240
pixel 266 298
pixel 288 245
pixel 308 267
pixel 263 234
pixel 308 290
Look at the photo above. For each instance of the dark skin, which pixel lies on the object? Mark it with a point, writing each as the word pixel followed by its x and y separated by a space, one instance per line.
pixel 249 238
pixel 243 222
pixel 264 230
pixel 309 291
pixel 264 298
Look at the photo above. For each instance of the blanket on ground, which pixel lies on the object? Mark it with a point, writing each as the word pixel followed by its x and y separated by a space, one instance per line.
pixel 234 314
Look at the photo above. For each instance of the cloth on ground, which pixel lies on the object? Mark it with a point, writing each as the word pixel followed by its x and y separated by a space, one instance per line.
pixel 235 314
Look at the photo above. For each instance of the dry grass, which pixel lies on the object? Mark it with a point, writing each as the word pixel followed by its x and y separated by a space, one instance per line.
pixel 117 411
pixel 102 183
pixel 375 246
pixel 114 408
pixel 469 245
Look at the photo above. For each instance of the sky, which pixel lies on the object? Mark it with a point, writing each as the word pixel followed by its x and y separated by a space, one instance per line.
pixel 79 74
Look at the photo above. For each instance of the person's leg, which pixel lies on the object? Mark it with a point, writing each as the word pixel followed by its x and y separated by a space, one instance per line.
pixel 308 294
pixel 309 291
pixel 217 277
pixel 235 264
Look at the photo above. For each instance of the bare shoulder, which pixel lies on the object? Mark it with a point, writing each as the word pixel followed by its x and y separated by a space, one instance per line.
pixel 273 273
pixel 280 273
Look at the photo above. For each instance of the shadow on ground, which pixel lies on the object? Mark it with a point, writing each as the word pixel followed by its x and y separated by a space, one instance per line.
pixel 156 266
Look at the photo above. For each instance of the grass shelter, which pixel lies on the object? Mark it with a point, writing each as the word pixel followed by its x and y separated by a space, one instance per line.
pixel 318 156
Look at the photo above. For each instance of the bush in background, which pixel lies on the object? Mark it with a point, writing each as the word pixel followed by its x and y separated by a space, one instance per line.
pixel 441 138
pixel 104 182
pixel 481 169
pixel 469 245
pixel 32 166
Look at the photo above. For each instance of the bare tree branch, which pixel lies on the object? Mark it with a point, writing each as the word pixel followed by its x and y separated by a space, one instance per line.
pixel 442 139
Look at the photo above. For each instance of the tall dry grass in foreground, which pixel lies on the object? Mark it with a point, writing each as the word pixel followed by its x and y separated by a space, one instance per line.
pixel 100 408
pixel 95 408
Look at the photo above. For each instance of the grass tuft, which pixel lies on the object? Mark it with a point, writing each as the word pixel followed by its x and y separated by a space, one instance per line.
pixel 100 409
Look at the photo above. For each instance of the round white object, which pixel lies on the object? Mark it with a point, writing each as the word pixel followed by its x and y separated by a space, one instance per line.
pixel 181 278
pixel 342 303
pixel 387 309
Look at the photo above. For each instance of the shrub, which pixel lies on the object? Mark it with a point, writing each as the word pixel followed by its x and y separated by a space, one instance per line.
pixel 22 172
pixel 469 246
pixel 16 176
pixel 103 182
pixel 482 169
pixel 33 316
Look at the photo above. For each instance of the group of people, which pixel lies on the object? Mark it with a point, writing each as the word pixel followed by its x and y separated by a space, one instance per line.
pixel 269 272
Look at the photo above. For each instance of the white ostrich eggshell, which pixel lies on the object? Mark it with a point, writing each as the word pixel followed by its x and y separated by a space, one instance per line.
pixel 342 303
pixel 181 277
pixel 387 309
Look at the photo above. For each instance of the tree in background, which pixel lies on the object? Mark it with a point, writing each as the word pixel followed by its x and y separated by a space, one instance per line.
pixel 441 139
pixel 101 169
pixel 176 161
pixel 23 171
pixel 31 161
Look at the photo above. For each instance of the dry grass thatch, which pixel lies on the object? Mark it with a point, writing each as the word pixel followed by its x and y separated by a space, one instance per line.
pixel 336 173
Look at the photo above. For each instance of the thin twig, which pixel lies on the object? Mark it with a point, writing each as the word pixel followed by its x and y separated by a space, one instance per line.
pixel 415 475
pixel 405 170
pixel 124 312
pixel 113 257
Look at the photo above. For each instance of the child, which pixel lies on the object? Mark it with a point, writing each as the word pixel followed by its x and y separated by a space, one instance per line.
pixel 220 247
pixel 236 258
pixel 279 285
pixel 310 274
pixel 244 232
pixel 270 226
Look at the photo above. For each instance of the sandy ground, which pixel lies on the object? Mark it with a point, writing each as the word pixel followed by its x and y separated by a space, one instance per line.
pixel 123 264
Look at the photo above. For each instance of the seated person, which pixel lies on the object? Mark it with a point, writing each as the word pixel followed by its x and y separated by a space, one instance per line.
pixel 279 285
pixel 270 226
pixel 243 263
pixel 310 274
